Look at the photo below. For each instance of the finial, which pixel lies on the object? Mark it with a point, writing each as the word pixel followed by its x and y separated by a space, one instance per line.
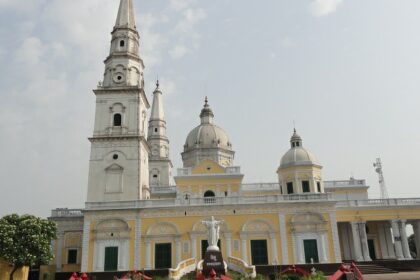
pixel 157 83
pixel 294 126
pixel 206 102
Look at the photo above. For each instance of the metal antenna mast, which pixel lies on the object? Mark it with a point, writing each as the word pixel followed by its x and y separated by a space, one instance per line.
pixel 378 169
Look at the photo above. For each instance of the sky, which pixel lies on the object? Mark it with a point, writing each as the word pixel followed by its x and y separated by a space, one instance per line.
pixel 345 72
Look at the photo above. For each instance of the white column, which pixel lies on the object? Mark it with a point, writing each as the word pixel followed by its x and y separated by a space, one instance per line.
pixel 194 246
pixel 356 241
pixel 85 245
pixel 300 252
pixel 148 258
pixel 244 247
pixel 283 238
pixel 416 229
pixel 137 244
pixel 382 241
pixel 397 240
pixel 58 257
pixel 345 236
pixel 404 240
pixel 228 240
pixel 177 251
pixel 364 241
pixel 336 241
pixel 323 252
pixel 274 255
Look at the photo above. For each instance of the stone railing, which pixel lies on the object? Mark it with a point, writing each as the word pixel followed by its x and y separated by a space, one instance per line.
pixel 261 187
pixel 184 267
pixel 66 213
pixel 241 267
pixel 345 183
pixel 162 189
pixel 202 201
pixel 379 202
pixel 188 171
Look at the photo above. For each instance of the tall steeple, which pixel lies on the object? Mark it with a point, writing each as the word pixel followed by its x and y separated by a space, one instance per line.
pixel 123 66
pixel 159 162
pixel 125 17
pixel 119 168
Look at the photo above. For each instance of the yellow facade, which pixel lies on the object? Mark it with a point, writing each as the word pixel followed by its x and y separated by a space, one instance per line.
pixel 6 269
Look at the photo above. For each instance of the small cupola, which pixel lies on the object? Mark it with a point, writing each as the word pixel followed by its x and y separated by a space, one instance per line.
pixel 295 140
pixel 206 114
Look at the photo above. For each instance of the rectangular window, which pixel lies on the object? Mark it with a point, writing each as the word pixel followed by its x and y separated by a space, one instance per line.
pixel 72 256
pixel 305 186
pixel 289 188
pixel 318 186
pixel 163 255
pixel 259 252
pixel 111 259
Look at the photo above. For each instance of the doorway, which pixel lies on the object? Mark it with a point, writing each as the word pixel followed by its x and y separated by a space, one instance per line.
pixel 111 259
pixel 371 246
pixel 259 252
pixel 311 251
pixel 163 255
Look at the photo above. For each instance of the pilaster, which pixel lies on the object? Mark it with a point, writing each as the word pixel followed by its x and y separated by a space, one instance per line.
pixel 273 242
pixel 58 257
pixel 137 240
pixel 244 248
pixel 85 245
pixel 283 239
pixel 336 242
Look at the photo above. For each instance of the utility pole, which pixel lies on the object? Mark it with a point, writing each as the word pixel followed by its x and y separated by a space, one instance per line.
pixel 382 186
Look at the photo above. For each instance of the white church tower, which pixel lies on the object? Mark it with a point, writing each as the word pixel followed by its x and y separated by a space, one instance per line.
pixel 160 165
pixel 118 168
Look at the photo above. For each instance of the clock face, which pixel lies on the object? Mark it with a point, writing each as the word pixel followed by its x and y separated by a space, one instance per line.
pixel 119 77
pixel 155 150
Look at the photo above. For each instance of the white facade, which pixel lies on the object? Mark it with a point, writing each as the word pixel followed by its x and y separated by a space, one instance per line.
pixel 118 168
pixel 160 166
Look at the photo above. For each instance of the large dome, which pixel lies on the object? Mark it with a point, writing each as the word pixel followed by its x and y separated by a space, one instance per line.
pixel 207 134
pixel 297 155
pixel 207 142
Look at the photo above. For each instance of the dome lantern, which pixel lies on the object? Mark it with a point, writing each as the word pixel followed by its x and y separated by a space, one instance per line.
pixel 206 114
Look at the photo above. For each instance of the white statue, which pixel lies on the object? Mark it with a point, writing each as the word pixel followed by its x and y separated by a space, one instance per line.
pixel 213 227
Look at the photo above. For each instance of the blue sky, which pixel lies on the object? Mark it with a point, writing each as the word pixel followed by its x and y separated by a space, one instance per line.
pixel 346 72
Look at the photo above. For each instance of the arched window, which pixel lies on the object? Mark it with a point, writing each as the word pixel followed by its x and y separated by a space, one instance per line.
pixel 209 194
pixel 122 43
pixel 117 120
pixel 209 197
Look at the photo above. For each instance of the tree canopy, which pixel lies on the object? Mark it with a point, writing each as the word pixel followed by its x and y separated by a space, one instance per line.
pixel 25 240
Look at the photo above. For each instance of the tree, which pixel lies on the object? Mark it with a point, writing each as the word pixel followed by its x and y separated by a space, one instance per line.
pixel 25 240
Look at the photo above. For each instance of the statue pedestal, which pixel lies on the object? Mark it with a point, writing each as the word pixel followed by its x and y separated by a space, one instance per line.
pixel 213 260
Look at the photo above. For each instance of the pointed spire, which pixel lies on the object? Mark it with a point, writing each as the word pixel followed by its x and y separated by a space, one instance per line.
pixel 157 106
pixel 125 18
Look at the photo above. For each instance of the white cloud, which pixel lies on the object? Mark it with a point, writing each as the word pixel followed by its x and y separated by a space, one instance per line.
pixel 178 51
pixel 190 18
pixel 324 7
pixel 179 5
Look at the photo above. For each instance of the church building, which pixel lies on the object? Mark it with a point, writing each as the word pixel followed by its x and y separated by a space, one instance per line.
pixel 141 214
